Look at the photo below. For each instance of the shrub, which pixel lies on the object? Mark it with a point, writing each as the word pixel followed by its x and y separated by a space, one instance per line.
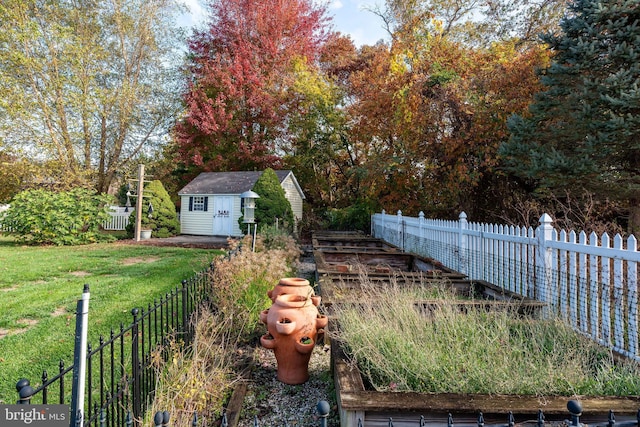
pixel 272 205
pixel 164 219
pixel 354 217
pixel 60 218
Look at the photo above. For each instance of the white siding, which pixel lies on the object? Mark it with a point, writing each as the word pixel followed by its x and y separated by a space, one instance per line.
pixel 293 195
pixel 201 223
pixel 195 222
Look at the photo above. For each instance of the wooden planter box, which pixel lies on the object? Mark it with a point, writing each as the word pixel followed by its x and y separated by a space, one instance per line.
pixel 340 257
pixel 359 406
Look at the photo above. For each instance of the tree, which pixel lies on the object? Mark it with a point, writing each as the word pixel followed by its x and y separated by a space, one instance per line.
pixel 240 75
pixel 162 218
pixel 473 22
pixel 583 131
pixel 272 205
pixel 88 84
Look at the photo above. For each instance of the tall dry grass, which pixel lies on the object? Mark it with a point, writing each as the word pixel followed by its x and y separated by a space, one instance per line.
pixel 450 351
pixel 196 379
pixel 241 281
pixel 199 378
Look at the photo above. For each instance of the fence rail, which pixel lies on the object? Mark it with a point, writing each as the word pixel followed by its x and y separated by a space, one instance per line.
pixel 120 378
pixel 590 281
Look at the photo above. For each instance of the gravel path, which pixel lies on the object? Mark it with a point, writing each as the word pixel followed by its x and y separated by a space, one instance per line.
pixel 273 403
pixel 270 402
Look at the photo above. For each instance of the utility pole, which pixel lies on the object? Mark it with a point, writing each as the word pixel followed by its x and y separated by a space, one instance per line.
pixel 139 200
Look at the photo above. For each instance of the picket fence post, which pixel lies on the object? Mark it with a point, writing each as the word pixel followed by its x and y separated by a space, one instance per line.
pixel 544 270
pixel 399 231
pixel 462 243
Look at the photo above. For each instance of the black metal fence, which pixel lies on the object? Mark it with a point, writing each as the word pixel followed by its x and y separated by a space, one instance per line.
pixel 120 379
pixel 574 412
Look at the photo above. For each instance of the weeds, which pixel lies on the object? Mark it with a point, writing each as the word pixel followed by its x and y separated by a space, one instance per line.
pixel 242 281
pixel 494 352
pixel 199 378
pixel 196 379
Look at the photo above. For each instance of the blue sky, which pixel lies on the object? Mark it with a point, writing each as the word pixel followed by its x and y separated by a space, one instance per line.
pixel 352 17
pixel 349 17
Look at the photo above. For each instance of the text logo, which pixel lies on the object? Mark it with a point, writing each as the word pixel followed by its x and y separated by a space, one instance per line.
pixel 34 415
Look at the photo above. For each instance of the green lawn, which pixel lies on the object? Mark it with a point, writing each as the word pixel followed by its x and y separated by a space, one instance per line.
pixel 39 288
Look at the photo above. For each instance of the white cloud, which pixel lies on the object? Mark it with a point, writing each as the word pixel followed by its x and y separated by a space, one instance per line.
pixel 196 13
pixel 337 4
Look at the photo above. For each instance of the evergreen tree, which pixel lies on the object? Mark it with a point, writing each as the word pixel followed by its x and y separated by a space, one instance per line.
pixel 583 131
pixel 163 220
pixel 272 203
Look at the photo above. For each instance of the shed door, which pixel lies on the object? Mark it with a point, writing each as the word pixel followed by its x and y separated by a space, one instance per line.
pixel 222 215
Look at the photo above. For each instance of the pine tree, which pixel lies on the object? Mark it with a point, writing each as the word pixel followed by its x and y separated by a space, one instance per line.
pixel 272 203
pixel 162 219
pixel 583 131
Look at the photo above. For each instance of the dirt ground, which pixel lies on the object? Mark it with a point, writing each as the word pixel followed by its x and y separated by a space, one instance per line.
pixel 185 241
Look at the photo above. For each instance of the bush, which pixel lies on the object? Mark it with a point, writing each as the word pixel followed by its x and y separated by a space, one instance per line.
pixel 356 217
pixel 60 218
pixel 272 205
pixel 163 222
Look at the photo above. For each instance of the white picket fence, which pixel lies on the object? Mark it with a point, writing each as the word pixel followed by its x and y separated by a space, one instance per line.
pixel 119 218
pixel 591 281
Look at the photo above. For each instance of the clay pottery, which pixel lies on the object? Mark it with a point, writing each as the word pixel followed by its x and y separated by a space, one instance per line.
pixel 292 322
pixel 267 341
pixel 286 326
pixel 321 321
pixel 315 300
pixel 291 286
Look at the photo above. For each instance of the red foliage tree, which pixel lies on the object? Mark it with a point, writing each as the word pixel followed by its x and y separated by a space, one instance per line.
pixel 240 72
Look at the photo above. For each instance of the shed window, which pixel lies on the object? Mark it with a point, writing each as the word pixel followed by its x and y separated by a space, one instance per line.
pixel 198 203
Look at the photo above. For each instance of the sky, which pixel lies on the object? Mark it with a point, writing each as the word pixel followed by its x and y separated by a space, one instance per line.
pixel 349 17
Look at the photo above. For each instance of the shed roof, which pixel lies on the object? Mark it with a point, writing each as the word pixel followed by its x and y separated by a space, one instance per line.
pixel 229 182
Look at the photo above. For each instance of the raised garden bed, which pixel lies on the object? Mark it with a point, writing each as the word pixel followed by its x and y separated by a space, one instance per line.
pixel 340 268
pixel 340 242
pixel 361 406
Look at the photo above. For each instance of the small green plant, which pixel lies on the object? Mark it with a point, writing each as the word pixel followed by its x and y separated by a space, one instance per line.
pixel 42 217
pixel 396 347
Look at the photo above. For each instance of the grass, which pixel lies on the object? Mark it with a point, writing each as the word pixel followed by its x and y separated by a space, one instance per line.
pixel 39 288
pixel 494 352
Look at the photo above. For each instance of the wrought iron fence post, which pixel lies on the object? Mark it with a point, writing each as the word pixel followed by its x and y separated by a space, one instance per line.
pixel 575 409
pixel 186 330
pixel 135 366
pixel 25 391
pixel 157 419
pixel 80 359
pixel 540 422
pixel 323 411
